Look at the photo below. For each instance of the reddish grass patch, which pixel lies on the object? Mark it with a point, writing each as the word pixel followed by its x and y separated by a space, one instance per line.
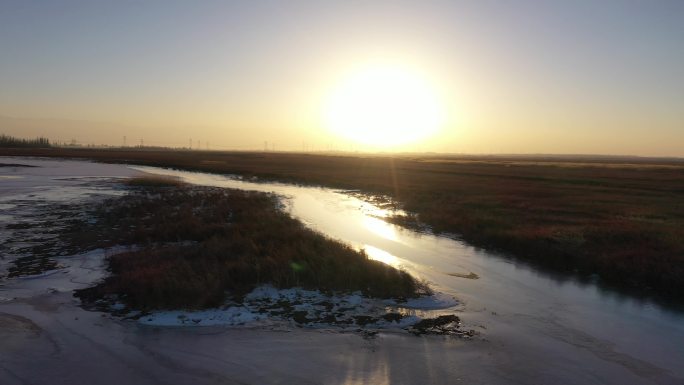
pixel 200 243
pixel 620 218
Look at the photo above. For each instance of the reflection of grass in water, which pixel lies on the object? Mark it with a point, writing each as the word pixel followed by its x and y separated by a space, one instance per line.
pixel 199 243
pixel 471 275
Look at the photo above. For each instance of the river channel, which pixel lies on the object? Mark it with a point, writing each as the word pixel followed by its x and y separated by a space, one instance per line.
pixel 534 327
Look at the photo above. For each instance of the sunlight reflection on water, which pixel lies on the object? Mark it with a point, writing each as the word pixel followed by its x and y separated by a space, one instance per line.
pixel 380 228
pixel 381 255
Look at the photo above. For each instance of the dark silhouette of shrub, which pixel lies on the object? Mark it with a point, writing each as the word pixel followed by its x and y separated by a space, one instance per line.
pixel 10 141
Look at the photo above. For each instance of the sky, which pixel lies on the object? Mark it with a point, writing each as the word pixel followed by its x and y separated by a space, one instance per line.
pixel 570 77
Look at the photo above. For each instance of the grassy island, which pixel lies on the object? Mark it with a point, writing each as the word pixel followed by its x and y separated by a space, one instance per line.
pixel 195 245
pixel 618 218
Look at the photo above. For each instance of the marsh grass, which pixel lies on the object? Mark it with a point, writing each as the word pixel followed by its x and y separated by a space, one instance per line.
pixel 620 218
pixel 200 243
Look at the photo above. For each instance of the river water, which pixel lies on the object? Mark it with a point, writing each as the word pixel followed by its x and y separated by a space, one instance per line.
pixel 535 328
pixel 541 322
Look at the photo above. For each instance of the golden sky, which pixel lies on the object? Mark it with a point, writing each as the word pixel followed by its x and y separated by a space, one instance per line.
pixel 580 77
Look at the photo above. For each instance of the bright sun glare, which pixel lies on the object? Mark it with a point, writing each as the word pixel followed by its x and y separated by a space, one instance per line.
pixel 384 107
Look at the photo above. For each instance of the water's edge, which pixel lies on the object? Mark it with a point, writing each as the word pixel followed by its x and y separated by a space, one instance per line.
pixel 536 328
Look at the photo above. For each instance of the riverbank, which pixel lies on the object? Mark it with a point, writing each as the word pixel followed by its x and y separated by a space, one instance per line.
pixel 49 339
pixel 193 245
pixel 535 327
pixel 619 220
pixel 179 254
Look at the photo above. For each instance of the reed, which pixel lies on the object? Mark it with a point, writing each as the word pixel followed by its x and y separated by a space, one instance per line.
pixel 197 245
pixel 619 217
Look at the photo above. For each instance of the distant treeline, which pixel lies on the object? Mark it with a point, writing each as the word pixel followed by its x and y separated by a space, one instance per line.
pixel 10 141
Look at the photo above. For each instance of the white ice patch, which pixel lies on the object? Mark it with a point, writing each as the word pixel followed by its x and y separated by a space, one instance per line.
pixel 306 307
pixel 234 315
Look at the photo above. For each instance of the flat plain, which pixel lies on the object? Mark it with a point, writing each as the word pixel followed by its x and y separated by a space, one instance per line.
pixel 617 218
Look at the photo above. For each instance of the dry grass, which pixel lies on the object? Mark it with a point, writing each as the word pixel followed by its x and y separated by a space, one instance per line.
pixel 620 218
pixel 200 243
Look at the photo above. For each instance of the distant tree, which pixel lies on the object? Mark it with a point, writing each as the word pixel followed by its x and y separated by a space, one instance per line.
pixel 10 141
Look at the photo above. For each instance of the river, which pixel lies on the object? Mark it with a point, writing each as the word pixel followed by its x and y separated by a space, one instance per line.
pixel 535 327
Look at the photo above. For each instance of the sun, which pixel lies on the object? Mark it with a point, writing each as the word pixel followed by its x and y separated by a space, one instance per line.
pixel 384 107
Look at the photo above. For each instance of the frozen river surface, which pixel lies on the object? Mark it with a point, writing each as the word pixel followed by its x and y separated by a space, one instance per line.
pixel 535 328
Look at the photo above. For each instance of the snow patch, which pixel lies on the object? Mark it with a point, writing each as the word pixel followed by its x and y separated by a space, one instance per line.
pixel 267 305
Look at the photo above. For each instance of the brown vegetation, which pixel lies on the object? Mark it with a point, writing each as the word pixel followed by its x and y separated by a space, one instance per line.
pixel 198 243
pixel 620 218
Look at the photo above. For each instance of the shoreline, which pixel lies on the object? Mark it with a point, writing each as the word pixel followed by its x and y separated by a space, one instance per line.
pixel 295 306
pixel 528 320
pixel 541 210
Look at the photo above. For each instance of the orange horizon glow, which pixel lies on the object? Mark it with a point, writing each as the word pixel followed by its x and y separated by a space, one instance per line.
pixel 446 77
